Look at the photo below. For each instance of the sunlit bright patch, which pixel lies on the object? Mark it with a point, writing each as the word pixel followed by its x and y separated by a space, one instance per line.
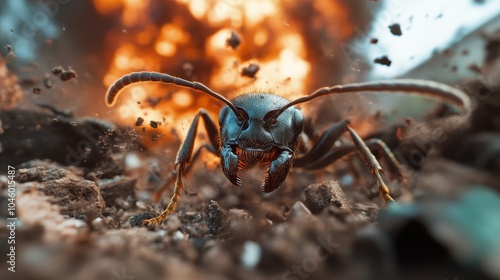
pixel 138 92
pixel 165 48
pixel 182 98
pixel 198 8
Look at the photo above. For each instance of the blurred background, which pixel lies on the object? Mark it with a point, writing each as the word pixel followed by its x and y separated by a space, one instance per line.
pixel 58 57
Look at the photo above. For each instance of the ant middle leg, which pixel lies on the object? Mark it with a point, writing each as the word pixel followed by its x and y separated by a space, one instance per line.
pixel 183 161
pixel 322 154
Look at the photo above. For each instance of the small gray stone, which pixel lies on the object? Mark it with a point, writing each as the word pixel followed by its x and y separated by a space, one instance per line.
pixel 113 190
pixel 216 218
pixel 319 196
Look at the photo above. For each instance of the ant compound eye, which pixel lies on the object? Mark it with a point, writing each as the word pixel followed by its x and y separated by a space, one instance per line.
pixel 298 121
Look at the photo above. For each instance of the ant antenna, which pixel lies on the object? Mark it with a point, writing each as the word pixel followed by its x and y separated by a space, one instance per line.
pixel 146 76
pixel 405 86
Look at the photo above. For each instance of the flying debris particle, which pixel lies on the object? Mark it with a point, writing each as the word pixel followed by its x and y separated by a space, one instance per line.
pixel 234 40
pixel 454 68
pixel 37 90
pixel 47 82
pixel 250 70
pixel 68 75
pixel 64 75
pixel 373 40
pixel 475 68
pixel 395 29
pixel 139 121
pixel 448 53
pixel 57 70
pixel 384 60
pixel 153 124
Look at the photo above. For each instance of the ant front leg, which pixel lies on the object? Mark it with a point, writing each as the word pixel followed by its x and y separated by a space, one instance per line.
pixel 184 159
pixel 372 164
pixel 209 147
pixel 322 155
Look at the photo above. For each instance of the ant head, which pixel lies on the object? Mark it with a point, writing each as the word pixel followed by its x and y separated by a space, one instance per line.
pixel 257 136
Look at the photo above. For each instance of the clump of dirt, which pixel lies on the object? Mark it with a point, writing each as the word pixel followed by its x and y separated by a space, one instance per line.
pixel 64 74
pixel 395 29
pixel 216 218
pixel 383 60
pixel 234 40
pixel 74 195
pixel 251 70
pixel 139 121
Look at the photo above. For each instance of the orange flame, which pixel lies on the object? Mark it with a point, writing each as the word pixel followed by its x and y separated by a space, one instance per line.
pixel 191 43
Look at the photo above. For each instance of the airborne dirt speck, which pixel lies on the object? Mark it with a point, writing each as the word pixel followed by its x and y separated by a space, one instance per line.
pixel 395 29
pixel 250 70
pixel 383 60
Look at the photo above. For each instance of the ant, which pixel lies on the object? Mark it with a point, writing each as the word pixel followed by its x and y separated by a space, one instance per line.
pixel 264 128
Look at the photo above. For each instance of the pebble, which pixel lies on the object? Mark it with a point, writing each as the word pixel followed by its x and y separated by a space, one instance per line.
pixel 216 217
pixel 319 196
pixel 251 254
